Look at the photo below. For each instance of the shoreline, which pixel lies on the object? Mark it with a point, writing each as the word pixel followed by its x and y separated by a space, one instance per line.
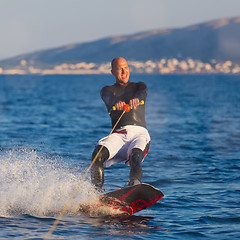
pixel 162 67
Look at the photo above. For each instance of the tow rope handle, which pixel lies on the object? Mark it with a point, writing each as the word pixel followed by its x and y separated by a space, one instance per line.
pixel 114 108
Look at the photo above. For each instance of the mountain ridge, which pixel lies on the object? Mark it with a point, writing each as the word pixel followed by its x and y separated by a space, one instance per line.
pixel 216 39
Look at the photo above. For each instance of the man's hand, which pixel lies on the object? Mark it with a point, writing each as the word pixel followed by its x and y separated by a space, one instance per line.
pixel 134 102
pixel 120 105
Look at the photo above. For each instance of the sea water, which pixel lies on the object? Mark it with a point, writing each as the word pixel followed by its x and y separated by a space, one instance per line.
pixel 49 126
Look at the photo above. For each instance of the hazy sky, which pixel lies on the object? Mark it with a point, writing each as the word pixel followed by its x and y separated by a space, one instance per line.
pixel 29 25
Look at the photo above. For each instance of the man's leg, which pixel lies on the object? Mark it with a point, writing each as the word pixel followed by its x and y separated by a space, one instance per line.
pixel 112 144
pixel 135 161
pixel 97 171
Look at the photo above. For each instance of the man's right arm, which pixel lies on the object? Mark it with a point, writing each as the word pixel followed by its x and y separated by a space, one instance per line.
pixel 108 97
pixel 110 100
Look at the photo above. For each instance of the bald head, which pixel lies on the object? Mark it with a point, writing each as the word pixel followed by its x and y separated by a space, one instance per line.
pixel 116 60
pixel 120 70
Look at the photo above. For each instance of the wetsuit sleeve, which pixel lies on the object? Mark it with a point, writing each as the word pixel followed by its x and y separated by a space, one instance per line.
pixel 108 97
pixel 141 92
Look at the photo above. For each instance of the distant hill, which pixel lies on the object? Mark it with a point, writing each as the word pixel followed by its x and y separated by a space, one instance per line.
pixel 219 39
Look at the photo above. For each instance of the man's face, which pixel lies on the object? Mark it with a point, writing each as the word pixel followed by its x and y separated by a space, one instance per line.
pixel 120 71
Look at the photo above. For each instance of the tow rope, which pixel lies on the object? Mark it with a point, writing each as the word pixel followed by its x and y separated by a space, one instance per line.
pixel 126 108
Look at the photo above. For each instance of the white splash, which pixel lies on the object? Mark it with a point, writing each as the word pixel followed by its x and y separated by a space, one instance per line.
pixel 37 185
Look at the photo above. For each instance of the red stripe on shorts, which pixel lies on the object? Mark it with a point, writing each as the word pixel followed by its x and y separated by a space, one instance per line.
pixel 121 132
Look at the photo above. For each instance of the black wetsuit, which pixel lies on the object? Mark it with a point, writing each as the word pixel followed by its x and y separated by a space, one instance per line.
pixel 115 93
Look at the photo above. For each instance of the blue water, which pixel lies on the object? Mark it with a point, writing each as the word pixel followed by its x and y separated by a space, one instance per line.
pixel 50 124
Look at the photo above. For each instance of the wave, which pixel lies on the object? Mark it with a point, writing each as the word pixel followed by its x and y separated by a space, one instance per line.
pixel 34 184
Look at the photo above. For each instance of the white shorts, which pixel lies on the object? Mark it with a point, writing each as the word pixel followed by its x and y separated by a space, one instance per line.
pixel 122 141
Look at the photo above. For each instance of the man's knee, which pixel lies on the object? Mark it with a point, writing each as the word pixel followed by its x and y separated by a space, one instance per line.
pixel 136 156
pixel 102 155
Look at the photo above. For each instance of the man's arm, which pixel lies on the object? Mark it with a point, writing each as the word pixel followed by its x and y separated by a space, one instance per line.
pixel 108 97
pixel 141 94
pixel 110 100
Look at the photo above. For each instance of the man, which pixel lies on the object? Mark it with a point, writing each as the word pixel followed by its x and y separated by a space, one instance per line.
pixel 130 141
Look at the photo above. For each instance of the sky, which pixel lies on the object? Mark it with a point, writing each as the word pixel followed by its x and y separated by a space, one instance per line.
pixel 31 25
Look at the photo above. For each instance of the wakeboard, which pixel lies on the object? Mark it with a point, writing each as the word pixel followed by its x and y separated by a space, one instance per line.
pixel 128 200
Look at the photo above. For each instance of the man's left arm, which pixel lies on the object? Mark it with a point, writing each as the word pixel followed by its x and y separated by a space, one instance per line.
pixel 139 95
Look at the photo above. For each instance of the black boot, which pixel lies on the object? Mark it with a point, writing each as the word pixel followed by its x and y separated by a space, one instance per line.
pixel 97 172
pixel 135 160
